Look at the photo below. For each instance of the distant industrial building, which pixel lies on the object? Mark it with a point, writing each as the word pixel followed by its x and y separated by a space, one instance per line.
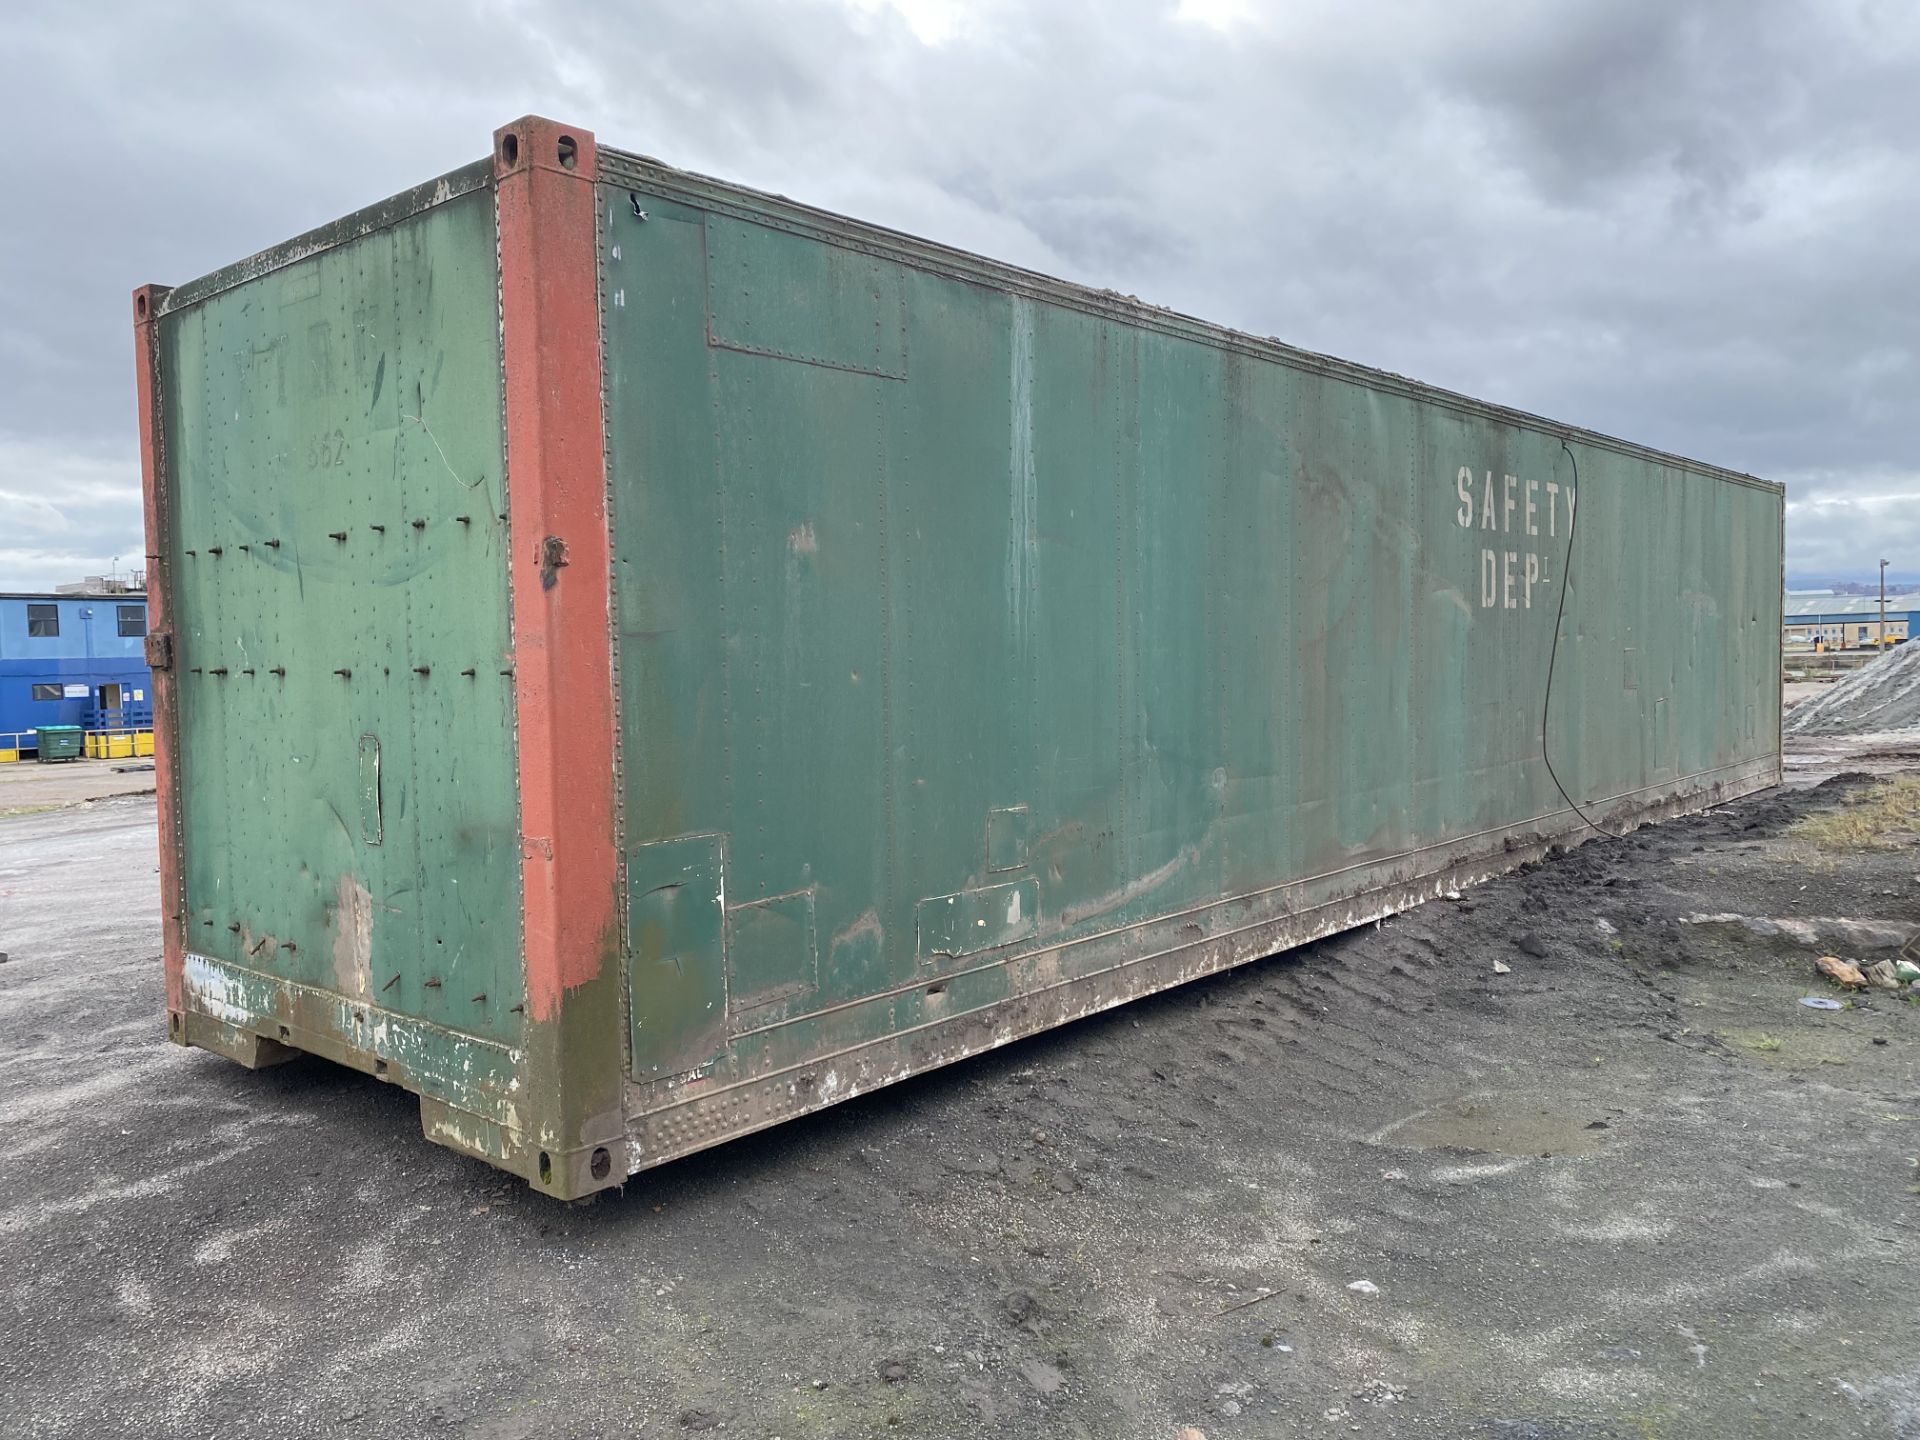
pixel 75 660
pixel 1849 621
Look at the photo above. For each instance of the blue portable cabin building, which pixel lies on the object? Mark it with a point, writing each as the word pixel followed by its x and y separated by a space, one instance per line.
pixel 72 660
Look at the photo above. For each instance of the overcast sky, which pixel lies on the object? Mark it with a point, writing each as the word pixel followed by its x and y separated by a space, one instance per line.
pixel 1693 225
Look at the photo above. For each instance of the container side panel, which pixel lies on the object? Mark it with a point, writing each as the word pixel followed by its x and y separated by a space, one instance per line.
pixel 961 524
pixel 1176 808
pixel 1484 599
pixel 1254 627
pixel 802 465
pixel 1349 552
pixel 340 607
pixel 1044 649
pixel 1075 616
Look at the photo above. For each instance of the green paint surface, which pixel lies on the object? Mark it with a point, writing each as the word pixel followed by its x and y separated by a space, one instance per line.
pixel 674 918
pixel 339 597
pixel 987 615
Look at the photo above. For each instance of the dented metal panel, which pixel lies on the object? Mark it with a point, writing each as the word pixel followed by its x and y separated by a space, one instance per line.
pixel 651 659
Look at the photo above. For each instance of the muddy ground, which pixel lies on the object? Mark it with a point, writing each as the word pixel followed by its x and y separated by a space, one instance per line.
pixel 1628 1188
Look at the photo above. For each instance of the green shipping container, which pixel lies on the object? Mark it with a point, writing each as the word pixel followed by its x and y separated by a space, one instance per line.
pixel 640 660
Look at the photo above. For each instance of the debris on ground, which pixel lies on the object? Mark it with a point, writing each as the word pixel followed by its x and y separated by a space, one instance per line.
pixel 1500 967
pixel 1821 1002
pixel 1381 1393
pixel 1881 975
pixel 1531 944
pixel 1883 694
pixel 1843 972
pixel 1364 1287
pixel 1839 931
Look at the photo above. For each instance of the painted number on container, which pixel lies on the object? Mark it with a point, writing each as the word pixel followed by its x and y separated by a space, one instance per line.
pixel 326 451
pixel 1508 505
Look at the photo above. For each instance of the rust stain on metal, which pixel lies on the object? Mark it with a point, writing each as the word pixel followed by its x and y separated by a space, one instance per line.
pixel 553 556
pixel 351 919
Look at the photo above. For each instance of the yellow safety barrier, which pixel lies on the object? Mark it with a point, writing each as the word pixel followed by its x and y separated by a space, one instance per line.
pixel 118 744
pixel 101 745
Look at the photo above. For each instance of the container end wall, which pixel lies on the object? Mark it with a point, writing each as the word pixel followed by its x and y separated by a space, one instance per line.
pixel 326 516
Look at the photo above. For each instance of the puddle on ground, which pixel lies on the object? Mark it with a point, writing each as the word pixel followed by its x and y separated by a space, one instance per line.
pixel 1496 1124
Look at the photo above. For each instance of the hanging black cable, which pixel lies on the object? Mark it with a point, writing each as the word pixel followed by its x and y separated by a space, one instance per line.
pixel 1546 703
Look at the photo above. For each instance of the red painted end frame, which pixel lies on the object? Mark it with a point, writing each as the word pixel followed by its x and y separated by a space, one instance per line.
pixel 155 485
pixel 561 562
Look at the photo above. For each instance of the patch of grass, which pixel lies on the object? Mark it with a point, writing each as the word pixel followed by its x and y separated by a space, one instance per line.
pixel 1758 1040
pixel 1879 817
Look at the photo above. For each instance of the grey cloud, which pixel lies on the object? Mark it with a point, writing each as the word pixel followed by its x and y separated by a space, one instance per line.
pixel 1844 523
pixel 1684 224
pixel 68 513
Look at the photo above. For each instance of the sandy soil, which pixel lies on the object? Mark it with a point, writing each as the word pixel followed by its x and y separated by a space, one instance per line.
pixel 1794 692
pixel 1627 1186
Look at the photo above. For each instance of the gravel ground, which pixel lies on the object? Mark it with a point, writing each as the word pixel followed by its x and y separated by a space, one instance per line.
pixel 27 785
pixel 1882 695
pixel 1626 1186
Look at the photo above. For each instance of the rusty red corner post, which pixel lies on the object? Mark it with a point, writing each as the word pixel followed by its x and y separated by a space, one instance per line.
pixel 154 486
pixel 560 574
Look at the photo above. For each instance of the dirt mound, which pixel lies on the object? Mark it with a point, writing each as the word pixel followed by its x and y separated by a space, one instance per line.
pixel 1883 694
